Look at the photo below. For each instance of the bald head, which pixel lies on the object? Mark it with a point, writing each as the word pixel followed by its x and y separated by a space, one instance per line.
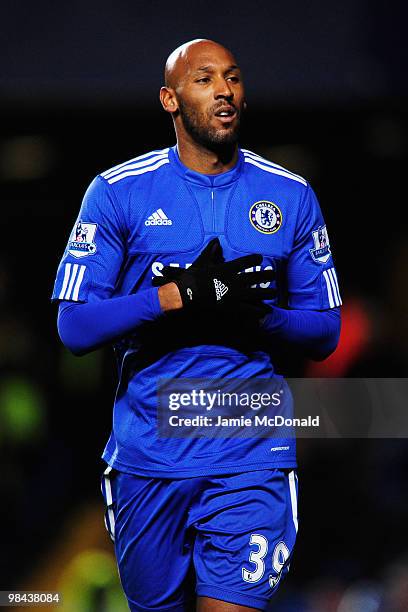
pixel 181 60
pixel 205 95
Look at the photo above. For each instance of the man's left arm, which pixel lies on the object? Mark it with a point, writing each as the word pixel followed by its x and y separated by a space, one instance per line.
pixel 315 332
pixel 312 321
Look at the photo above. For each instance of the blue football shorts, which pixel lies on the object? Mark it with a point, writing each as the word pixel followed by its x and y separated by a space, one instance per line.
pixel 230 537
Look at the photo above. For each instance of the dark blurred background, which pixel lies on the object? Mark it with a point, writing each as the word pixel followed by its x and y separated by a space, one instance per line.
pixel 327 92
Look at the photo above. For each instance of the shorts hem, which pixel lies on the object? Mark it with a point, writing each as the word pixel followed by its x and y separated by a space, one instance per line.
pixel 253 601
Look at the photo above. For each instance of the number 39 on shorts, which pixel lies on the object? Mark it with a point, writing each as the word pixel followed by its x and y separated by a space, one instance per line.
pixel 280 556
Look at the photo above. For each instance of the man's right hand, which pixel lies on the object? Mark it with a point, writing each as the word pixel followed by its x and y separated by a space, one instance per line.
pixel 211 282
pixel 169 294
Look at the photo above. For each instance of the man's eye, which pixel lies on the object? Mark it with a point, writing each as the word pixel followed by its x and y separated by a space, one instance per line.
pixel 203 80
pixel 234 79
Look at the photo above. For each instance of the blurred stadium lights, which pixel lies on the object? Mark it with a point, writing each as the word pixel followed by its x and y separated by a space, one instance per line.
pixel 80 565
pixel 396 584
pixel 22 411
pixel 26 158
pixel 357 331
pixel 90 583
pixel 362 597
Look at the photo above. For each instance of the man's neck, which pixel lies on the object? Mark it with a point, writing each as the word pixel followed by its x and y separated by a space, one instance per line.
pixel 206 161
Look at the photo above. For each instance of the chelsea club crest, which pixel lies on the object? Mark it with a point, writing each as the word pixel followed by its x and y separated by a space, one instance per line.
pixel 265 217
pixel 321 251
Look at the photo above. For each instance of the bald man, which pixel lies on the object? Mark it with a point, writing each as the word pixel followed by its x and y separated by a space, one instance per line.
pixel 187 253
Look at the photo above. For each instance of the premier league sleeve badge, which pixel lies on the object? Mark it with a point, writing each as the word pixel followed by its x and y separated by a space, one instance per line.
pixel 321 251
pixel 82 241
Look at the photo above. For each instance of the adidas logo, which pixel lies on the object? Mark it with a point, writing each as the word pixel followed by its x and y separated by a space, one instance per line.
pixel 158 218
pixel 220 289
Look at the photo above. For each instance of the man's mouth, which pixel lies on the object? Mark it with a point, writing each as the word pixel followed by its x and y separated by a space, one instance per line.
pixel 226 113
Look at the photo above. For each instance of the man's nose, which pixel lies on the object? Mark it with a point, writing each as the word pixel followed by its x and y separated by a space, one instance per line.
pixel 223 89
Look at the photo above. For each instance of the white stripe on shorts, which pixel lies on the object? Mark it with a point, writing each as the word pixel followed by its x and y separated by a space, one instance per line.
pixel 108 491
pixel 293 498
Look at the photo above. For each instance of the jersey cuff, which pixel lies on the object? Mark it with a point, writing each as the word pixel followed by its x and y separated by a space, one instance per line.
pixel 155 302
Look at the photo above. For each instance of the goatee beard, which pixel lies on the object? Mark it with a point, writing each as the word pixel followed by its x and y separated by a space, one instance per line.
pixel 197 126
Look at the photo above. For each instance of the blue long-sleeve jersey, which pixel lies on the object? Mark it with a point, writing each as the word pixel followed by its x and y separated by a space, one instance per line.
pixel 153 211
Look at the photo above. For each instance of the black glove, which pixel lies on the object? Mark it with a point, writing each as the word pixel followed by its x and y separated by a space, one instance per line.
pixel 252 310
pixel 210 255
pixel 206 284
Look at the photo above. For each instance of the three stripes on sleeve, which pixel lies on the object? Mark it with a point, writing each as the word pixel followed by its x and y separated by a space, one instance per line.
pixel 332 285
pixel 73 277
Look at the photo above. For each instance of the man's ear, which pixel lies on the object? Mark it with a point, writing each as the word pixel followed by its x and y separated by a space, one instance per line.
pixel 168 99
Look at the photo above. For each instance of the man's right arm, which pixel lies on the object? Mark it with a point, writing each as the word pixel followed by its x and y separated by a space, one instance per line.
pixel 87 326
pixel 89 316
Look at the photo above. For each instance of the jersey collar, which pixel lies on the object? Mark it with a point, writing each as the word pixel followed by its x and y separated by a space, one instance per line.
pixel 207 180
